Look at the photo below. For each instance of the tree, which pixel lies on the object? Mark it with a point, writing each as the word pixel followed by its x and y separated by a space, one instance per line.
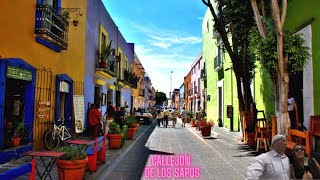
pixel 160 97
pixel 273 19
pixel 233 21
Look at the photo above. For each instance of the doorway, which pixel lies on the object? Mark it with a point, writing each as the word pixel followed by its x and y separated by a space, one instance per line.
pixel 118 98
pixel 14 111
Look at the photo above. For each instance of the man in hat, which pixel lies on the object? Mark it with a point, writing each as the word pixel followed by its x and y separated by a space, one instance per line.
pixel 273 164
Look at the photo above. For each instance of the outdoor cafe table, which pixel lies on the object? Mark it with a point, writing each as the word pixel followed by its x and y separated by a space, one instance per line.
pixel 53 155
pixel 82 144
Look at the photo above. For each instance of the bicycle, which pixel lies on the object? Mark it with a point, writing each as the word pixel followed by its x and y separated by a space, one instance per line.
pixel 52 137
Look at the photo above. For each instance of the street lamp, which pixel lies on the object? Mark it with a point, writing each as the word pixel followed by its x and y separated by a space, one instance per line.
pixel 230 109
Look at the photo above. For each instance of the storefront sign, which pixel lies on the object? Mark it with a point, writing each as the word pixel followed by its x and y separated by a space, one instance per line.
pixel 43 110
pixel 17 73
pixel 47 103
pixel 78 105
pixel 43 116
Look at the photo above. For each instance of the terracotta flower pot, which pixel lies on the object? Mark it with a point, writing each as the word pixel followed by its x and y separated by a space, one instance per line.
pixel 16 142
pixel 130 133
pixel 206 131
pixel 114 140
pixel 71 169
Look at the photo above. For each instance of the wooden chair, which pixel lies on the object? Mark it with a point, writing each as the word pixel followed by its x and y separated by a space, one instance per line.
pixel 262 133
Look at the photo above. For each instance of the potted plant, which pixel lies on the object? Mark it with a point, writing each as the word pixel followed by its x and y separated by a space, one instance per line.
pixel 72 164
pixel 104 55
pixel 124 135
pixel 131 127
pixel 75 21
pixel 206 128
pixel 114 135
pixel 18 132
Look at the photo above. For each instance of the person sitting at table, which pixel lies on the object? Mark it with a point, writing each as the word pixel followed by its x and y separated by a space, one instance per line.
pixel 94 120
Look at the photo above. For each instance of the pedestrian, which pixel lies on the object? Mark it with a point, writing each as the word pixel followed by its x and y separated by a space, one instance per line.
pixel 166 117
pixel 94 120
pixel 108 116
pixel 118 117
pixel 303 167
pixel 184 116
pixel 273 164
pixel 291 111
pixel 159 117
pixel 174 116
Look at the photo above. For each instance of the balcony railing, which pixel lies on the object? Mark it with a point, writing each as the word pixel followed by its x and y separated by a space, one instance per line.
pixel 109 66
pixel 51 27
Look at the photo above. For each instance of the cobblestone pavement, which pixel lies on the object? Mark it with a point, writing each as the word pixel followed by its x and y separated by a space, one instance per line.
pixel 221 156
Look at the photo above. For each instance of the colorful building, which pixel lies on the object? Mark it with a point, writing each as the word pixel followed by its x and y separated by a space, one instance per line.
pixel 49 54
pixel 187 91
pixel 38 54
pixel 196 85
pixel 138 93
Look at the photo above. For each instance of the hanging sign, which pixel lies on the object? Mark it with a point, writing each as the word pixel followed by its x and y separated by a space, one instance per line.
pixel 78 105
pixel 17 73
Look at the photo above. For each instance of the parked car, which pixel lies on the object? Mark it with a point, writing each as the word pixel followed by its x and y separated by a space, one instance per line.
pixel 143 115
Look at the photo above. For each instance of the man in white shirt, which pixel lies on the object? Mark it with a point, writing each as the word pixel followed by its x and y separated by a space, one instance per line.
pixel 273 164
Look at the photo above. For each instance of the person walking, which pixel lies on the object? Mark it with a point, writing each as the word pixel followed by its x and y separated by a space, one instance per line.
pixel 184 116
pixel 166 117
pixel 174 116
pixel 94 120
pixel 273 164
pixel 159 117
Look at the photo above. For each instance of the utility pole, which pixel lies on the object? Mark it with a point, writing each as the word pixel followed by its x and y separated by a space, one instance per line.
pixel 170 85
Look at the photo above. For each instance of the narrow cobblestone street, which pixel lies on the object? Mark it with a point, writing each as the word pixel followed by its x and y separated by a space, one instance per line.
pixel 221 156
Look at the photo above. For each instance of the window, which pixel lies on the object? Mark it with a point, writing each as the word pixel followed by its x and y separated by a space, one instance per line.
pixel 126 63
pixel 198 65
pixel 103 38
pixel 120 64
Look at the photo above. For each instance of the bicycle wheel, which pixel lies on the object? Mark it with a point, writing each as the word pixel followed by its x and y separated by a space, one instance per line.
pixel 51 139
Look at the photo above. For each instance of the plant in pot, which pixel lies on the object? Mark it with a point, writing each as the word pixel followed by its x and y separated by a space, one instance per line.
pixel 131 127
pixel 18 133
pixel 104 54
pixel 206 128
pixel 114 135
pixel 72 164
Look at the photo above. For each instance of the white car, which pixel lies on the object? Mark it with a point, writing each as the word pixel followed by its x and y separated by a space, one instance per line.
pixel 143 115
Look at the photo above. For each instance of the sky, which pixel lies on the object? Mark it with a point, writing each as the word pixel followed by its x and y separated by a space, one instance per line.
pixel 166 34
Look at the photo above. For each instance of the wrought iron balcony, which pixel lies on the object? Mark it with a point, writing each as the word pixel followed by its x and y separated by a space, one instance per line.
pixel 109 66
pixel 51 27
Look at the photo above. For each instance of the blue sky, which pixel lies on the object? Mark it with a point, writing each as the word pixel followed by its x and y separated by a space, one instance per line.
pixel 166 33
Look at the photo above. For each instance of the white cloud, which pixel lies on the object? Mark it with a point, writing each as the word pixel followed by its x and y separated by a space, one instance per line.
pixel 165 51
